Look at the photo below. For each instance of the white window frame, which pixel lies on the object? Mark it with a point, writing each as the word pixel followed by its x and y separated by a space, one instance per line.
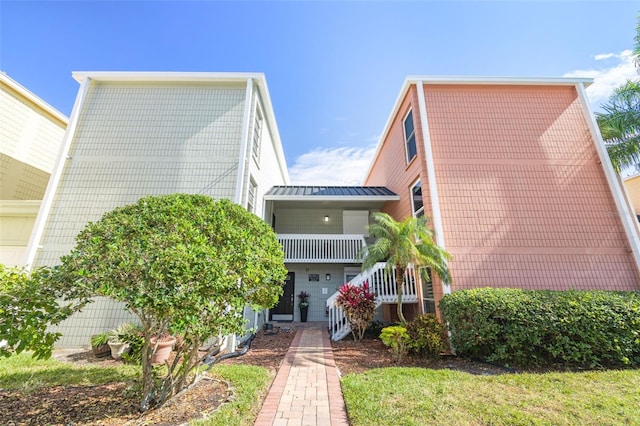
pixel 412 135
pixel 426 298
pixel 252 193
pixel 419 212
pixel 258 125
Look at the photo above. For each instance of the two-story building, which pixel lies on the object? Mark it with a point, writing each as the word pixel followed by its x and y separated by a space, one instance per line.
pixel 133 134
pixel 514 175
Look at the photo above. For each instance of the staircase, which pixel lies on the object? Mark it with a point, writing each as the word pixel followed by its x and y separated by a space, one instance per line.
pixel 383 284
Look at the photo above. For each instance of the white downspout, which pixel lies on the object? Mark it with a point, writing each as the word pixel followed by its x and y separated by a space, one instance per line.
pixel 52 186
pixel 626 215
pixel 431 174
pixel 244 142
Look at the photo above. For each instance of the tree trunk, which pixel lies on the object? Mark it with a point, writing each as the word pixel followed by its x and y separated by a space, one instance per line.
pixel 399 282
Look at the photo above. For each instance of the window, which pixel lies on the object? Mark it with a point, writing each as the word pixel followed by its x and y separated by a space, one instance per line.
pixel 251 196
pixel 428 299
pixel 409 137
pixel 417 204
pixel 257 135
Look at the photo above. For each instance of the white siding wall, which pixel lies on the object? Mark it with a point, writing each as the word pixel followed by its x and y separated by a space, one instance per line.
pixel 135 140
pixel 266 172
pixel 27 133
pixel 308 221
pixel 77 330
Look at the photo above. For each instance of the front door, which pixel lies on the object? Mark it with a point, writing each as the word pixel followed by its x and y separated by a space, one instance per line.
pixel 283 311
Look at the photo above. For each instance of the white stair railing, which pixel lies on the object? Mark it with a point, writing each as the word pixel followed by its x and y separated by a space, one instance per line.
pixel 383 284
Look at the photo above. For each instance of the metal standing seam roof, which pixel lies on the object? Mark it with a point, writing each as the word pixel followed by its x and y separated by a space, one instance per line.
pixel 330 191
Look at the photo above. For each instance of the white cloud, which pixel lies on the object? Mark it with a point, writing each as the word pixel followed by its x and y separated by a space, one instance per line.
pixel 332 166
pixel 603 56
pixel 605 80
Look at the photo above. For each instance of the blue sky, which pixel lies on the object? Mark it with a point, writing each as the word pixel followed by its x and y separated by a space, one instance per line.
pixel 334 69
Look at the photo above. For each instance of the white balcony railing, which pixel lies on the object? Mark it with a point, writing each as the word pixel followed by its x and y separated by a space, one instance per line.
pixel 325 248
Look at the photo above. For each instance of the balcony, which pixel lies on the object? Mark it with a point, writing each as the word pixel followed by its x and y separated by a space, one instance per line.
pixel 321 248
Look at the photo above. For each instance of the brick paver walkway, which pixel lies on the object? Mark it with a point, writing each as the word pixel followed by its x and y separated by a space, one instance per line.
pixel 306 390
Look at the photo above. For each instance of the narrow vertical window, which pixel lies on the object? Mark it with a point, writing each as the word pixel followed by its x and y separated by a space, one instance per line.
pixel 409 137
pixel 251 196
pixel 257 135
pixel 417 205
pixel 428 298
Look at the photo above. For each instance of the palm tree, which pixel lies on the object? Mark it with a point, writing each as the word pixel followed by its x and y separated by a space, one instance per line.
pixel 620 125
pixel 620 121
pixel 402 243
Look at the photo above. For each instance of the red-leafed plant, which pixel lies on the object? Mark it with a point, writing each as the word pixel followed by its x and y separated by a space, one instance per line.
pixel 358 304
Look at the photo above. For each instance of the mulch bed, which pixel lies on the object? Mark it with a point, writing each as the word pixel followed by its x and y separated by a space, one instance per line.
pixel 357 357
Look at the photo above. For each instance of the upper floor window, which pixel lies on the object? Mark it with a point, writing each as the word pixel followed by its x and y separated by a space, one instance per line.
pixel 410 136
pixel 257 134
pixel 251 196
pixel 417 204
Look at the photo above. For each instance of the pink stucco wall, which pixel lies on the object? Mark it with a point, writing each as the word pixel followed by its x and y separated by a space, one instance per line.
pixel 524 200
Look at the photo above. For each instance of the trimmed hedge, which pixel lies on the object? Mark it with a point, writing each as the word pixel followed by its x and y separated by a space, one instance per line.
pixel 541 328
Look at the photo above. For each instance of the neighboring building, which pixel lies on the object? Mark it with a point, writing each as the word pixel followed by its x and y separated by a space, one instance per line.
pixel 632 186
pixel 133 134
pixel 514 176
pixel 31 133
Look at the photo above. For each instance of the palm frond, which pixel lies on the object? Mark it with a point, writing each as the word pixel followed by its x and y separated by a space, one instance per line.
pixel 620 125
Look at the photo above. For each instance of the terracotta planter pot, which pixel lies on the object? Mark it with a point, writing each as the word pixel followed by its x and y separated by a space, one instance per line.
pixel 165 346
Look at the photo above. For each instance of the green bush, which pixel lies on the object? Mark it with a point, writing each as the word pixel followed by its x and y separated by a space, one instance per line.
pixel 425 336
pixel 374 329
pixel 537 328
pixel 396 338
pixel 134 336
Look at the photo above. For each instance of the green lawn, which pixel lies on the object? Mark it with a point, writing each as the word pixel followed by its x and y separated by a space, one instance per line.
pixel 415 396
pixel 27 375
pixel 24 373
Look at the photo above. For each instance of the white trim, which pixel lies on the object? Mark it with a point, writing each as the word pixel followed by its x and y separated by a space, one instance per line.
pixel 11 83
pixel 387 127
pixel 504 80
pixel 272 126
pixel 411 196
pixel 516 81
pixel 626 215
pixel 436 215
pixel 246 127
pixel 163 76
pixel 406 140
pixel 52 186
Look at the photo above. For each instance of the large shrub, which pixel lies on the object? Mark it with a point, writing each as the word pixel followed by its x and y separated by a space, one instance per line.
pixel 29 304
pixel 520 327
pixel 426 336
pixel 182 261
pixel 358 304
